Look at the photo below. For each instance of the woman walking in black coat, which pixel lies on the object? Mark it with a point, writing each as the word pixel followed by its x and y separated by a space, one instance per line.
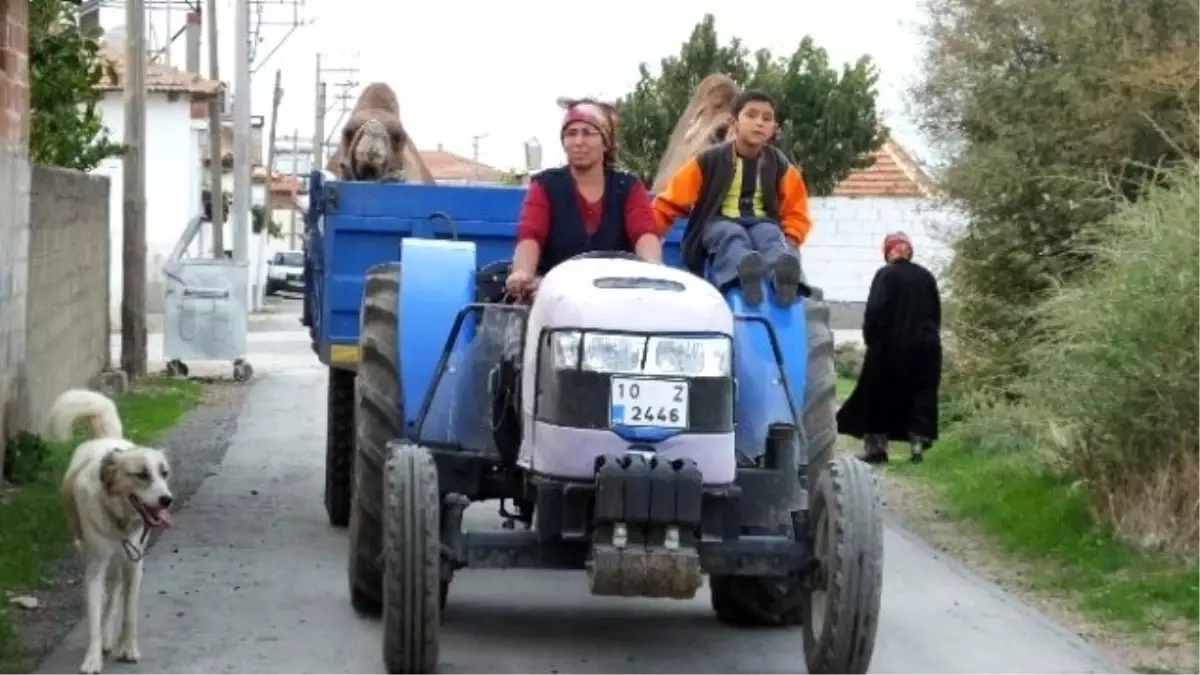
pixel 896 397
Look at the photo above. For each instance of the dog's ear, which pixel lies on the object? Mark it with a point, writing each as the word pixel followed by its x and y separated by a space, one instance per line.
pixel 108 470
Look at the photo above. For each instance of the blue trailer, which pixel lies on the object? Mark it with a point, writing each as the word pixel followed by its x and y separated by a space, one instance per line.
pixel 642 425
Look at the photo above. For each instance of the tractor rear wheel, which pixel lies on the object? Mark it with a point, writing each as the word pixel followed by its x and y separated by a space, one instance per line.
pixel 380 419
pixel 777 601
pixel 339 445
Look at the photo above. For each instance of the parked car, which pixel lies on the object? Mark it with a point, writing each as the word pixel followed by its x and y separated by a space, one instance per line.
pixel 285 272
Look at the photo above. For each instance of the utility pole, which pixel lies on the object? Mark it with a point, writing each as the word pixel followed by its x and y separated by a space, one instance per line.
pixel 241 133
pixel 321 138
pixel 318 151
pixel 193 27
pixel 133 300
pixel 475 156
pixel 295 171
pixel 260 294
pixel 318 148
pixel 216 187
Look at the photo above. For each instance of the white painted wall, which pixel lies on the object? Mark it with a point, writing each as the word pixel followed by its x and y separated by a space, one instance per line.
pixel 845 247
pixel 172 160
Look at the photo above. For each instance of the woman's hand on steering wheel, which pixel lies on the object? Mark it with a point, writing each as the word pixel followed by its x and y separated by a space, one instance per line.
pixel 521 284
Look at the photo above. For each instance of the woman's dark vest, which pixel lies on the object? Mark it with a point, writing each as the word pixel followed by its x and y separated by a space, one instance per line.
pixel 567 236
pixel 716 170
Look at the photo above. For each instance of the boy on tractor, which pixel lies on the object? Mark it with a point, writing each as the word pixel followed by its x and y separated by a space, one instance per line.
pixel 748 207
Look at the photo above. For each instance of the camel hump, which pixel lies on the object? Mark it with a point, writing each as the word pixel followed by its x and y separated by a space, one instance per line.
pixel 378 96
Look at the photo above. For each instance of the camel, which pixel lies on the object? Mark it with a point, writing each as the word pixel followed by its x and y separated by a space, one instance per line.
pixel 374 143
pixel 705 121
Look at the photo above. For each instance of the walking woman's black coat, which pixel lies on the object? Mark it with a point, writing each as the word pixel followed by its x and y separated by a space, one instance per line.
pixel 897 390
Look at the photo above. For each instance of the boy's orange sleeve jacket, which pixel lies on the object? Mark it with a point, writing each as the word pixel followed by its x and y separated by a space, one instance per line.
pixel 793 206
pixel 684 190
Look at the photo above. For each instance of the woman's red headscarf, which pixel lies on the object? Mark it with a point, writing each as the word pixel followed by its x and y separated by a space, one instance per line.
pixel 601 116
pixel 897 246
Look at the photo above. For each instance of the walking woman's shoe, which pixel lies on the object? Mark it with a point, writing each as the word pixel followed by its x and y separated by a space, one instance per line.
pixel 916 449
pixel 874 450
pixel 873 457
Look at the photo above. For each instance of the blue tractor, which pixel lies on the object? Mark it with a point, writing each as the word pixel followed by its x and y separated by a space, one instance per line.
pixel 633 422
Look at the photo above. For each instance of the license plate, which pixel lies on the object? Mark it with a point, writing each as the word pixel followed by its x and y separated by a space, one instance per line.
pixel 646 402
pixel 293 277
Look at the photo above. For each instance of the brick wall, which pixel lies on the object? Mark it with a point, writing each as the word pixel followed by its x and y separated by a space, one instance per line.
pixel 67 322
pixel 14 206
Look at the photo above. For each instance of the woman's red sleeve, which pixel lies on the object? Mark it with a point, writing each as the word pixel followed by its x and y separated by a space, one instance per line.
pixel 534 222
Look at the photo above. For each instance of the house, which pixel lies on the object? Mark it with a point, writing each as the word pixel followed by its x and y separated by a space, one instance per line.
pixel 452 169
pixel 172 161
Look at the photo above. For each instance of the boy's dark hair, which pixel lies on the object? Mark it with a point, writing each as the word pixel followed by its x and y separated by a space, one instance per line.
pixel 754 96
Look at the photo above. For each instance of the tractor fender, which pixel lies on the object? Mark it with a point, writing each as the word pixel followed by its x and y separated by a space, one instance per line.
pixel 437 280
pixel 771 367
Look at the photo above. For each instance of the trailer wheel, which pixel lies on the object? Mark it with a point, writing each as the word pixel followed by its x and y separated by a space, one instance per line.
pixel 412 585
pixel 841 601
pixel 339 445
pixel 379 419
pixel 777 601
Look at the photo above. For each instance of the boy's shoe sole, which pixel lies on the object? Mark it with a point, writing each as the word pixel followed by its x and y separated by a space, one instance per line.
pixel 786 280
pixel 750 273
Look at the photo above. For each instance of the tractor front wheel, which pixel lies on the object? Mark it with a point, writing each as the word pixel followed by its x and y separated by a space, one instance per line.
pixel 412 585
pixel 841 601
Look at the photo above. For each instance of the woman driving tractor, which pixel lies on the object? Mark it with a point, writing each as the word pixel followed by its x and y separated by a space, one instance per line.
pixel 587 205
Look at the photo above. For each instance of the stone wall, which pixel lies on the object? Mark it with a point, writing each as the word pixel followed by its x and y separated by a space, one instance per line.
pixel 67 323
pixel 14 208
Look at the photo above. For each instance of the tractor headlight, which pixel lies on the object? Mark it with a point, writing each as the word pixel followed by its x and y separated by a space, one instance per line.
pixel 693 357
pixel 564 349
pixel 618 353
pixel 609 353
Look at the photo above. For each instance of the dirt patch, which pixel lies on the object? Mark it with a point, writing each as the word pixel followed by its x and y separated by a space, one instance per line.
pixel 194 447
pixel 918 510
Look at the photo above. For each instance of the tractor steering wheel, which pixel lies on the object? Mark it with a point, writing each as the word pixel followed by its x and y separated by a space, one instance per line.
pixel 614 255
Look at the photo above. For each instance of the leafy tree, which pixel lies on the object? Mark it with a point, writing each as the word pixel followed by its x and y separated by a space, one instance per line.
pixel 828 119
pixel 64 69
pixel 1050 113
pixel 259 220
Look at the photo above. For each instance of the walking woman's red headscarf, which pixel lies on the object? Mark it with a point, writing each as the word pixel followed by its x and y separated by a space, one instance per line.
pixel 897 246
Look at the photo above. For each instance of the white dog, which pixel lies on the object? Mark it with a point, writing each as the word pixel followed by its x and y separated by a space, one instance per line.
pixel 113 492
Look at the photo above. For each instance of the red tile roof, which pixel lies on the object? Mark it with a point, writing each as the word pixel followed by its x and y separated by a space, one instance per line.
pixel 894 174
pixel 159 76
pixel 449 166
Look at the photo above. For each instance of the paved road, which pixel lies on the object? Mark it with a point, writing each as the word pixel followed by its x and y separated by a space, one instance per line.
pixel 252 580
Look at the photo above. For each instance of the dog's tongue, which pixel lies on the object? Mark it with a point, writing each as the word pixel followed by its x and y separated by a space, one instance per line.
pixel 161 517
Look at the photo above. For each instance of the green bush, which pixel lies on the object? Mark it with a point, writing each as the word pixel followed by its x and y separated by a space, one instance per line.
pixel 848 360
pixel 1115 371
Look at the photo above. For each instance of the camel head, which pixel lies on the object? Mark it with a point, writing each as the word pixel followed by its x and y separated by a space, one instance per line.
pixel 373 147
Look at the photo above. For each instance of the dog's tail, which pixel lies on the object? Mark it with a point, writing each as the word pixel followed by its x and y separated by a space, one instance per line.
pixel 97 409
